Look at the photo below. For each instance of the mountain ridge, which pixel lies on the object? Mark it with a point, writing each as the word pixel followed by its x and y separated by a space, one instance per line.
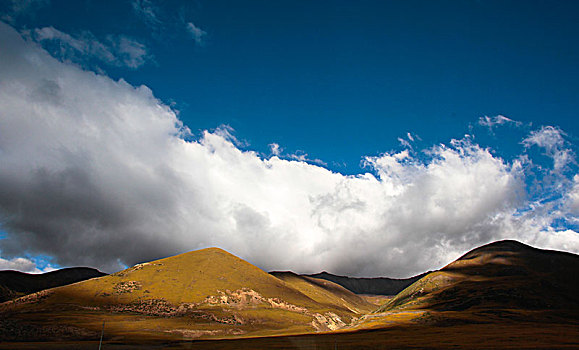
pixel 370 285
pixel 14 284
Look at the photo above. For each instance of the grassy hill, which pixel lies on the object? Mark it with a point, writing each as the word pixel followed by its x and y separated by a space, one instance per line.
pixel 14 284
pixel 501 281
pixel 206 293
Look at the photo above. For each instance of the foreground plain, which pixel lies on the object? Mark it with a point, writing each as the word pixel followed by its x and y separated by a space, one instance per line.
pixel 489 336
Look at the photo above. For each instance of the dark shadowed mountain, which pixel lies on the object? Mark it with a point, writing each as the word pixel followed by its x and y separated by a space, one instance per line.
pixel 504 275
pixel 378 286
pixel 14 284
pixel 305 283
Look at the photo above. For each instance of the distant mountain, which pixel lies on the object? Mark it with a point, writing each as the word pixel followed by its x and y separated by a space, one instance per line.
pixel 315 286
pixel 14 284
pixel 205 293
pixel 377 286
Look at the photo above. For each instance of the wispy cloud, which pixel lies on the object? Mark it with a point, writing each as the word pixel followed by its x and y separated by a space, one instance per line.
pixel 147 11
pixel 95 172
pixel 114 50
pixel 278 151
pixel 165 22
pixel 409 140
pixel 197 33
pixel 19 8
pixel 129 52
pixel 499 120
pixel 571 206
pixel 551 139
pixel 275 149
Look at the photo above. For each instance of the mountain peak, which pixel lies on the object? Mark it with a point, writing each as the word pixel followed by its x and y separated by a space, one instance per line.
pixel 506 244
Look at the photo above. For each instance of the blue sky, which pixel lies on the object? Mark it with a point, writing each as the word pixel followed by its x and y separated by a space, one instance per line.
pixel 343 86
pixel 343 80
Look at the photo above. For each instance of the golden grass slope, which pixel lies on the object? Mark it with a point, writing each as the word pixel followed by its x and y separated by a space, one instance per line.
pixel 205 293
pixel 185 278
pixel 325 292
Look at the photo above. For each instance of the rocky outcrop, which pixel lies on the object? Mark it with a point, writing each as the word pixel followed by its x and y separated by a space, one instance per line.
pixel 327 322
pixel 247 298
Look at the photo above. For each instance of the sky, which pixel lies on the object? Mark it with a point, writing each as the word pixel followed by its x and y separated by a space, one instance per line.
pixel 370 138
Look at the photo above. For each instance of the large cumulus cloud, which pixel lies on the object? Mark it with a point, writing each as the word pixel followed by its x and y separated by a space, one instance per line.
pixel 98 172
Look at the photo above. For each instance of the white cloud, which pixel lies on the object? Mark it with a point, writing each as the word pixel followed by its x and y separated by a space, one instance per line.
pixel 115 51
pixel 275 149
pixel 23 264
pixel 197 33
pixel 551 139
pixel 94 173
pixel 299 155
pixel 571 206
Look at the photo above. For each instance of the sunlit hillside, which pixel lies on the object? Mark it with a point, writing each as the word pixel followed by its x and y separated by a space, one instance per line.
pixel 206 293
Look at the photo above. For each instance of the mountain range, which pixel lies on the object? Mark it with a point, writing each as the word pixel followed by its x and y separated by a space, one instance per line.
pixel 372 286
pixel 504 294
